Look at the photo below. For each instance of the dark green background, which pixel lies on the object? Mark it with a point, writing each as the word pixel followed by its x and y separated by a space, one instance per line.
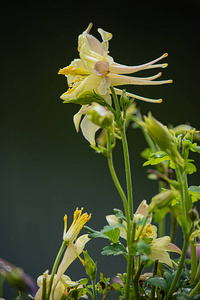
pixel 47 169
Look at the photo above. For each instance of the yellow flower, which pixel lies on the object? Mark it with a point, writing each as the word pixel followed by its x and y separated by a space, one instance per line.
pixel 77 224
pixel 64 286
pixel 75 247
pixel 96 71
pixel 158 247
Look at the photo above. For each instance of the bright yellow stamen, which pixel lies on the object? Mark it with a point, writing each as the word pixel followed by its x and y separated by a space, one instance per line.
pixel 70 70
pixel 77 224
pixel 65 224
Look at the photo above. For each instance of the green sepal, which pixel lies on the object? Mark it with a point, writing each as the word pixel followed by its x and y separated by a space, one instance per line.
pixel 87 98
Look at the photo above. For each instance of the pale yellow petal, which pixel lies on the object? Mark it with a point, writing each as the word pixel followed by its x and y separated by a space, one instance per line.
pixel 142 208
pixel 89 130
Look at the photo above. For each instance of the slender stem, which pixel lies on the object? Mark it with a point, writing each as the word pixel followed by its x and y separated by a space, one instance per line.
pixel 94 289
pixel 155 269
pixel 115 179
pixel 193 261
pixel 44 286
pixel 179 269
pixel 193 292
pixel 128 276
pixel 128 172
pixel 64 244
pixel 197 276
pixel 136 279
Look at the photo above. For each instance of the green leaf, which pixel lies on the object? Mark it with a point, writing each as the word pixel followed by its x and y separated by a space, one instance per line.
pixel 156 158
pixel 146 153
pixel 190 168
pixel 83 281
pixel 97 234
pixel 159 282
pixel 112 233
pixel 115 249
pixel 197 149
pixel 143 247
pixel 194 192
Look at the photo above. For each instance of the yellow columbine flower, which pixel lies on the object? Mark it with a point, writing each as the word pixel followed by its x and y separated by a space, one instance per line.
pixel 96 71
pixel 77 224
pixel 158 247
pixel 64 286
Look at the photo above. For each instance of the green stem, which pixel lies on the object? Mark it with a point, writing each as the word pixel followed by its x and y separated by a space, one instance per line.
pixel 193 261
pixel 186 205
pixel 44 285
pixel 115 179
pixel 128 172
pixel 155 269
pixel 136 279
pixel 64 244
pixel 94 289
pixel 193 292
pixel 179 269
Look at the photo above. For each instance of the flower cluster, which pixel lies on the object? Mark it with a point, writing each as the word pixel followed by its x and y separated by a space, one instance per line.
pixel 158 246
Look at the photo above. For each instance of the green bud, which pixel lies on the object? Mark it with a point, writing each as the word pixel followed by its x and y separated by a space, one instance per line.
pixel 124 100
pixel 100 115
pixel 162 137
pixel 90 266
pixel 193 214
pixel 161 200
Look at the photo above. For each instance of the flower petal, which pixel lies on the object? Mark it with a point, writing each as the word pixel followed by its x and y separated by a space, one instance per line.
pixel 117 80
pixel 173 248
pixel 122 69
pixel 89 129
pixel 142 208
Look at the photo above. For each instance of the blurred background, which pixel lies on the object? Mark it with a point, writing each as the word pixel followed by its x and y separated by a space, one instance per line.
pixel 47 169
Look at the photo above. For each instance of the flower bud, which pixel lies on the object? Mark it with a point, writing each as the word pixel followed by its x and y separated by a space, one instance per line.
pixel 90 266
pixel 100 115
pixel 162 137
pixel 193 214
pixel 161 200
pixel 124 100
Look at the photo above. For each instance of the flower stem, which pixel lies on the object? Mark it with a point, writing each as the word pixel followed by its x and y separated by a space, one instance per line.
pixel 179 269
pixel 64 244
pixel 114 177
pixel 94 289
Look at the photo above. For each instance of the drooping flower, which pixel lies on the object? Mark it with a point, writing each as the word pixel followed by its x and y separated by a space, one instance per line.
pixel 96 71
pixel 64 286
pixel 158 246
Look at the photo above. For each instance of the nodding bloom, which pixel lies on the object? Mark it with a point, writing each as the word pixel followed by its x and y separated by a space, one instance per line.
pixel 158 246
pixel 95 70
pixel 64 286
